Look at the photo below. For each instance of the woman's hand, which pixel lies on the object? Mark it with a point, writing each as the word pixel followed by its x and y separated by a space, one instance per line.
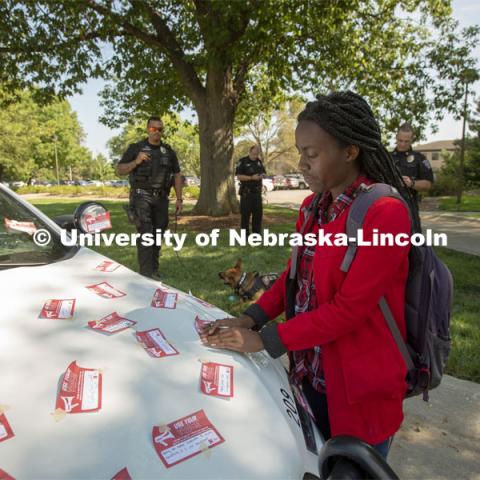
pixel 243 321
pixel 237 339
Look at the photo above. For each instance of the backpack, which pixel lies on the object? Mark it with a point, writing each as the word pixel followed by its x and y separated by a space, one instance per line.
pixel 428 301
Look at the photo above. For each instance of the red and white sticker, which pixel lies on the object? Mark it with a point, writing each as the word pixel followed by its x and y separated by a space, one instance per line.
pixel 201 324
pixel 81 390
pixel 105 290
pixel 107 266
pixel 112 323
pixel 185 438
pixel 5 476
pixel 6 431
pixel 17 226
pixel 155 343
pixel 98 223
pixel 123 474
pixel 217 379
pixel 164 299
pixel 58 309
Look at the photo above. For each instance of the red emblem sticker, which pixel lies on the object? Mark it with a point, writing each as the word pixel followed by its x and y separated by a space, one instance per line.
pixel 201 324
pixel 217 379
pixel 6 431
pixel 164 299
pixel 107 266
pixel 112 323
pixel 185 438
pixel 5 476
pixel 155 343
pixel 122 475
pixel 16 226
pixel 58 309
pixel 98 223
pixel 81 390
pixel 105 290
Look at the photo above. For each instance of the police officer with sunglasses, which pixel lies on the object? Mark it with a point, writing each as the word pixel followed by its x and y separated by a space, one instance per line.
pixel 153 169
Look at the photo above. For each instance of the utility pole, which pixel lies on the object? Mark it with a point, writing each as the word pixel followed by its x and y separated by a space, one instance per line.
pixel 55 138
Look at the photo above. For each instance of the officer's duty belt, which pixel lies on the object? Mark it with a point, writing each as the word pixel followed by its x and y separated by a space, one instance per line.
pixel 156 192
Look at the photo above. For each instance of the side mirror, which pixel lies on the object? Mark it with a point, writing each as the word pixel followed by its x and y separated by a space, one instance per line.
pixel 349 458
pixel 88 217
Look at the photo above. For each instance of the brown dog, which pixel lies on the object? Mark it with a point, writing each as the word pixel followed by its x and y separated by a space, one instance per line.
pixel 249 286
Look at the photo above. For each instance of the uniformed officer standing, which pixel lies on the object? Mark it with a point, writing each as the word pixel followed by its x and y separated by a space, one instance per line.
pixel 249 172
pixel 415 168
pixel 152 167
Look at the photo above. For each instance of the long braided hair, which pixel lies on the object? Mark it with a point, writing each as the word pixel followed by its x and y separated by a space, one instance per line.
pixel 350 120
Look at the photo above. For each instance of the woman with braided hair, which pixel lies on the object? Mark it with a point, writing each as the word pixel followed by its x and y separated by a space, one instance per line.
pixel 342 354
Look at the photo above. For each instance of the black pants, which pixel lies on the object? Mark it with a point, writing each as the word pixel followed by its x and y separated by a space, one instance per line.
pixel 318 404
pixel 251 206
pixel 152 213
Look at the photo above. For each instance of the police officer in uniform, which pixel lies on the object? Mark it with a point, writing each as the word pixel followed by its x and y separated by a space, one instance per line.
pixel 415 168
pixel 152 167
pixel 249 172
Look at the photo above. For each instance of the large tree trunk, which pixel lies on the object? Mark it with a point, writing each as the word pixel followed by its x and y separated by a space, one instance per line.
pixel 217 190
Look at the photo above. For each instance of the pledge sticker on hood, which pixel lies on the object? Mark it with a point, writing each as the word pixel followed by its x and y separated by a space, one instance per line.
pixel 80 391
pixel 105 290
pixel 155 343
pixel 180 440
pixel 107 266
pixel 58 309
pixel 217 379
pixel 164 299
pixel 17 226
pixel 6 431
pixel 123 474
pixel 201 324
pixel 5 476
pixel 112 323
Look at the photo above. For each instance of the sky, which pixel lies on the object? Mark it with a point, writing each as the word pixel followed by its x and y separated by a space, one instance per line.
pixel 87 104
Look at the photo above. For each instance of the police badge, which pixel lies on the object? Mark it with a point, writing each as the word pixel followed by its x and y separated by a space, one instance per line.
pixel 163 150
pixel 410 158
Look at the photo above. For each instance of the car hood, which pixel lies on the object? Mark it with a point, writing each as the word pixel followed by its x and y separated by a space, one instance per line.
pixel 262 436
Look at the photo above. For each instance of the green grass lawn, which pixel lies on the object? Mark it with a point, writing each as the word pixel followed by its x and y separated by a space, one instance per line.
pixel 470 203
pixel 196 268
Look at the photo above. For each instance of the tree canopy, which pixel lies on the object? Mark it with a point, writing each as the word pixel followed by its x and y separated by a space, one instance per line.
pixel 161 55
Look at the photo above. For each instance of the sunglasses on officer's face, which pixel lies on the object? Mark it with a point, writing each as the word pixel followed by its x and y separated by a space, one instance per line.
pixel 155 129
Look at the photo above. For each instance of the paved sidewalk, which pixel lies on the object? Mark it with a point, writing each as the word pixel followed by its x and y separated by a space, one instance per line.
pixel 441 439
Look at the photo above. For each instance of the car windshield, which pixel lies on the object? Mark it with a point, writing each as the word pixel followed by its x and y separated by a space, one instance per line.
pixel 17 228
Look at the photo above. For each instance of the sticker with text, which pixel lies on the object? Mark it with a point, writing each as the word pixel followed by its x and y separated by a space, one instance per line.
pixel 189 436
pixel 107 266
pixel 155 343
pixel 17 226
pixel 105 290
pixel 97 223
pixel 164 299
pixel 123 474
pixel 6 431
pixel 217 379
pixel 58 309
pixel 201 324
pixel 112 323
pixel 80 391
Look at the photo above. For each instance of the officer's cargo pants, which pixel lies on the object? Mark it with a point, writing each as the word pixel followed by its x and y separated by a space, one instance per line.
pixel 152 212
pixel 251 206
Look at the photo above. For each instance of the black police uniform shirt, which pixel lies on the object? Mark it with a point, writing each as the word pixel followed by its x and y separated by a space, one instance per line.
pixel 413 164
pixel 163 149
pixel 247 166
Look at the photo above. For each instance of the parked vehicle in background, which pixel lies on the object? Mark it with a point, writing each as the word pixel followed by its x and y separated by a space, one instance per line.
pixel 296 181
pixel 268 184
pixel 191 181
pixel 279 182
pixel 120 183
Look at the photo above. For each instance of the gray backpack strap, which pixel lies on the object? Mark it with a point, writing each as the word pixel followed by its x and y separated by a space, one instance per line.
pixel 366 196
pixel 397 336
pixel 308 213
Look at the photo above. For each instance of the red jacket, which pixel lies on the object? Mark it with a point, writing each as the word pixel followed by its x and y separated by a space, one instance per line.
pixel 364 370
